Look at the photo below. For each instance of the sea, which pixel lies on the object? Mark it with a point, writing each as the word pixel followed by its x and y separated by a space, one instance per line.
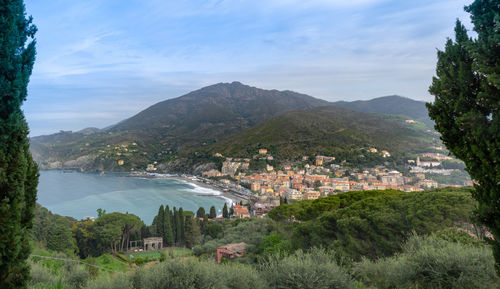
pixel 79 195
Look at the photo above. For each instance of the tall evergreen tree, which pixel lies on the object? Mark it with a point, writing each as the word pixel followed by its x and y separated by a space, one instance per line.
pixel 160 222
pixel 467 108
pixel 18 171
pixel 180 227
pixel 212 213
pixel 225 212
pixel 200 213
pixel 203 225
pixel 192 231
pixel 168 237
pixel 175 224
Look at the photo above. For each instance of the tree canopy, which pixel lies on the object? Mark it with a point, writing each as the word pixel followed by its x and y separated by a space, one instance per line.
pixel 466 108
pixel 18 171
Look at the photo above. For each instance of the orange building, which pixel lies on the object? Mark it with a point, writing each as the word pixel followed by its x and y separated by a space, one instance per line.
pixel 231 251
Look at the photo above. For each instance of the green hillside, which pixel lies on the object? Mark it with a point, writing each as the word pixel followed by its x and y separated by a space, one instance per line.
pixel 326 130
pixel 393 104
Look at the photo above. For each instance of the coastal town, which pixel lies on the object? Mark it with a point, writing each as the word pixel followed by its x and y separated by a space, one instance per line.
pixel 317 177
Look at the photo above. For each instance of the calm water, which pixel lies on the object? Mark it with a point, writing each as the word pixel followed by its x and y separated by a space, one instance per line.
pixel 80 194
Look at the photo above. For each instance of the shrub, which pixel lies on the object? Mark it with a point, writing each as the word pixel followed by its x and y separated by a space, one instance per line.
pixel 197 274
pixel 118 281
pixel 140 261
pixel 431 262
pixel 76 277
pixel 41 276
pixel 316 269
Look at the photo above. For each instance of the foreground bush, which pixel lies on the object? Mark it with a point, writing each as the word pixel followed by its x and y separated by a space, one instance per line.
pixel 199 275
pixel 316 269
pixel 432 262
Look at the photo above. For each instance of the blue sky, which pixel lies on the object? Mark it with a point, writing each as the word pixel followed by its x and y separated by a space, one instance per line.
pixel 101 61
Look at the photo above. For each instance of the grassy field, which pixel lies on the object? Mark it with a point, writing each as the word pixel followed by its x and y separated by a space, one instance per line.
pixel 111 263
pixel 155 255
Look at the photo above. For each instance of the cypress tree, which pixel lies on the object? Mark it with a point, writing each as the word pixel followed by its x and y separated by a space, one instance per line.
pixel 192 231
pixel 225 212
pixel 168 238
pixel 175 223
pixel 213 213
pixel 160 224
pixel 18 171
pixel 467 108
pixel 204 224
pixel 200 213
pixel 180 227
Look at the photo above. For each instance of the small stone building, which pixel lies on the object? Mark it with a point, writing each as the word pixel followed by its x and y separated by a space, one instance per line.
pixel 153 243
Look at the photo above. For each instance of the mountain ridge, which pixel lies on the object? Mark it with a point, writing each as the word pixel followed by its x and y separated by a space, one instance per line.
pixel 194 122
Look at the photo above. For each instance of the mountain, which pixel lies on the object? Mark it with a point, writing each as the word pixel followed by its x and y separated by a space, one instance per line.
pixel 234 118
pixel 392 104
pixel 170 127
pixel 217 110
pixel 326 130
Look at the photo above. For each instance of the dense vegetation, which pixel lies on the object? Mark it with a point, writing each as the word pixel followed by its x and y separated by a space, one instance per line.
pixel 467 108
pixel 381 239
pixel 326 130
pixel 18 171
pixel 392 105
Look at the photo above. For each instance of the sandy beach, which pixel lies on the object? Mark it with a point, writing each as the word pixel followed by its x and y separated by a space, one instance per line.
pixel 229 195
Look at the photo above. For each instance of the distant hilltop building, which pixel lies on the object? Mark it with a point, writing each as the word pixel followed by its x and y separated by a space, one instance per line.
pixel 262 151
pixel 410 121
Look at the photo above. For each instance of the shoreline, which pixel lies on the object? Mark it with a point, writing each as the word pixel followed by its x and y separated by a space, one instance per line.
pixel 227 195
pixel 197 182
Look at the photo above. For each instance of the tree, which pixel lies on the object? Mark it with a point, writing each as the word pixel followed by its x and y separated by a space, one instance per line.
pixel 85 239
pixel 115 227
pixel 168 238
pixel 180 226
pixel 213 213
pixel 225 212
pixel 200 213
pixel 18 171
pixel 160 222
pixel 192 231
pixel 466 108
pixel 175 224
pixel 60 237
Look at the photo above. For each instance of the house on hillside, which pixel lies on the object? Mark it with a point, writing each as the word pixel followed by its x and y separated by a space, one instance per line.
pixel 241 212
pixel 231 251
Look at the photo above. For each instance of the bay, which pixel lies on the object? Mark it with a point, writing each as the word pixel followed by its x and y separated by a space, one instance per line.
pixel 79 195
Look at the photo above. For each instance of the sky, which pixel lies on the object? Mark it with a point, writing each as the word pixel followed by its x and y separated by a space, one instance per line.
pixel 102 61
